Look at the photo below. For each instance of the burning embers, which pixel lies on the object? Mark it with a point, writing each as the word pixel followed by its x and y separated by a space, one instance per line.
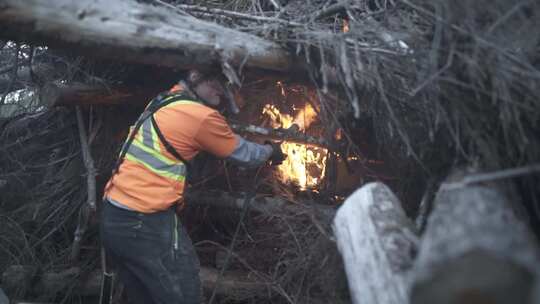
pixel 305 164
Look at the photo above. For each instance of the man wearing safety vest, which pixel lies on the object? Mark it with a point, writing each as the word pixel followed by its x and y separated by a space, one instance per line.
pixel 140 231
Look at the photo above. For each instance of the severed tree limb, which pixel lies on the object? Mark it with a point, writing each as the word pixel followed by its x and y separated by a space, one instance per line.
pixel 377 242
pixel 136 32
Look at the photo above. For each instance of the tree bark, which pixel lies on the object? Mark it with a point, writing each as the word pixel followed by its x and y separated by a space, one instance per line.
pixel 135 32
pixel 377 242
pixel 476 249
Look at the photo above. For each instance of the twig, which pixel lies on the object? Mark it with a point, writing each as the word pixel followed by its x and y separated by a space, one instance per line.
pixel 491 176
pixel 233 14
pixel 330 10
pixel 275 4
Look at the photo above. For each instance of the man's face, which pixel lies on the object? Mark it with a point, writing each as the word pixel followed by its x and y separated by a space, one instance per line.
pixel 211 91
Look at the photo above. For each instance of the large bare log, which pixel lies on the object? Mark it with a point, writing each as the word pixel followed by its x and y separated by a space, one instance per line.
pixel 136 32
pixel 378 243
pixel 476 249
pixel 232 285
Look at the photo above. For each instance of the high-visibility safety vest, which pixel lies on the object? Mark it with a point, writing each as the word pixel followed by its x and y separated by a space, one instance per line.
pixel 143 143
pixel 145 148
pixel 150 174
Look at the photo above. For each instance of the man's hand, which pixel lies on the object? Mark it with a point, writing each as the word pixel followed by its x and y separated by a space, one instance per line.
pixel 277 156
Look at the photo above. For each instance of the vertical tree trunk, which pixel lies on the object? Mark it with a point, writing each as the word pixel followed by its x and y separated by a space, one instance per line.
pixel 377 242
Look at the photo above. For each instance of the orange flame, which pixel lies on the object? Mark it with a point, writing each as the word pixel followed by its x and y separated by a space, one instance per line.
pixel 305 165
pixel 346 27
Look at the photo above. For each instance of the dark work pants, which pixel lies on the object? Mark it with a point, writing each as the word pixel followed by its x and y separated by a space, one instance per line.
pixel 155 264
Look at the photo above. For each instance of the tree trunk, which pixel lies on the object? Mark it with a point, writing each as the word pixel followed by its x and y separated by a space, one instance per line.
pixel 131 31
pixel 377 242
pixel 475 249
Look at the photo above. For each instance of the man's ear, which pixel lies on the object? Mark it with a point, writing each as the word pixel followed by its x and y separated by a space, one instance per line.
pixel 194 76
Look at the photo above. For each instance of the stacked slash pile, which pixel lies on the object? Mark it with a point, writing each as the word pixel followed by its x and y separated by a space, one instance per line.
pixel 425 86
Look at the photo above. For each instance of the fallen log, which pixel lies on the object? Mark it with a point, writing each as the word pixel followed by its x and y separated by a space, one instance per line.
pixel 136 32
pixel 235 285
pixel 72 94
pixel 377 242
pixel 475 249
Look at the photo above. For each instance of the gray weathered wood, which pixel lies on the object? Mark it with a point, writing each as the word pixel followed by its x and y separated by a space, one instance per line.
pixel 132 31
pixel 475 248
pixel 377 242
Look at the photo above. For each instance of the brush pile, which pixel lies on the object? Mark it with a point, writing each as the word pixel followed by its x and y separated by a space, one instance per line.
pixel 422 85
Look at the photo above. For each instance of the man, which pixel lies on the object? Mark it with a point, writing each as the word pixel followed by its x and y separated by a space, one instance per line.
pixel 140 231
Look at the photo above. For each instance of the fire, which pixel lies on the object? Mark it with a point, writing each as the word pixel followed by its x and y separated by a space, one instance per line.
pixel 305 165
pixel 346 27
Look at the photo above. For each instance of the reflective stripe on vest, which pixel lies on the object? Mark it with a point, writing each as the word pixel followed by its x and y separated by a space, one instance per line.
pixel 145 150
